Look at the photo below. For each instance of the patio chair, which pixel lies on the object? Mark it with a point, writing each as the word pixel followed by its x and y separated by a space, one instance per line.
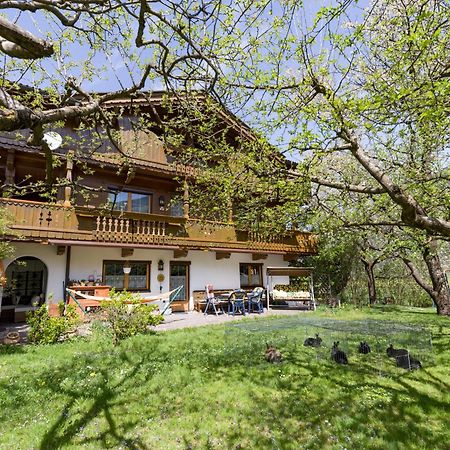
pixel 211 301
pixel 236 302
pixel 255 300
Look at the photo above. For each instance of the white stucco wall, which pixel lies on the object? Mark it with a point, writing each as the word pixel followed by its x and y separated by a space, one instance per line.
pixel 85 261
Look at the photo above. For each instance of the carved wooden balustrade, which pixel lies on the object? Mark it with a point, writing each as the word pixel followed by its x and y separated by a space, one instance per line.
pixel 38 219
pixel 43 221
pixel 118 229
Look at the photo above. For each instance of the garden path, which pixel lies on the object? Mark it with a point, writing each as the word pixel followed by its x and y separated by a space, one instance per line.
pixel 197 319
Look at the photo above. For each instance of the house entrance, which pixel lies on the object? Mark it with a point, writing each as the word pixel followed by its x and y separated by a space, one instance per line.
pixel 26 282
pixel 179 275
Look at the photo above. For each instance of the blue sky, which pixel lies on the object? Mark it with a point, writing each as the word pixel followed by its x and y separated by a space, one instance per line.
pixel 118 68
pixel 117 73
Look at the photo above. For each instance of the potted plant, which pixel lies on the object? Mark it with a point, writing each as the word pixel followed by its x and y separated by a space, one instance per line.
pixel 3 282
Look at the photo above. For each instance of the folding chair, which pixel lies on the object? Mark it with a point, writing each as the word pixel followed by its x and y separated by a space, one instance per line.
pixel 211 301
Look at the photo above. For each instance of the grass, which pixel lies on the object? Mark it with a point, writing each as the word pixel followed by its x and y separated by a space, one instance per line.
pixel 211 388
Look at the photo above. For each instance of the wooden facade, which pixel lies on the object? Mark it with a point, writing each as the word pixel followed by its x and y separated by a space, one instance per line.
pixel 73 221
pixel 61 225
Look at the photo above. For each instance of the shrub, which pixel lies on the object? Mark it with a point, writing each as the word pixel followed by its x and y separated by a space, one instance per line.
pixel 45 329
pixel 127 316
pixel 61 308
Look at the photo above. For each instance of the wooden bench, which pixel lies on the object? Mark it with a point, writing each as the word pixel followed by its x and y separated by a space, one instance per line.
pixel 301 299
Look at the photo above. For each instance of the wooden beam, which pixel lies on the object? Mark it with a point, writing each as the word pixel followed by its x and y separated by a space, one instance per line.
pixel 223 255
pixel 67 277
pixel 10 168
pixel 229 210
pixel 180 253
pixel 126 252
pixel 60 250
pixel 68 189
pixel 186 199
pixel 256 256
pixel 291 256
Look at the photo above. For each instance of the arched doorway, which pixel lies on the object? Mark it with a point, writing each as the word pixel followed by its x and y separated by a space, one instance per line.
pixel 26 282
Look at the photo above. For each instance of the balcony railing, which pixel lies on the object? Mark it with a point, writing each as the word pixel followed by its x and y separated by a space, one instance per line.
pixel 42 221
pixel 39 219
pixel 113 229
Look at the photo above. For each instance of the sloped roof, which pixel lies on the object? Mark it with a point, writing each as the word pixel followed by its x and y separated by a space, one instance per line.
pixel 113 159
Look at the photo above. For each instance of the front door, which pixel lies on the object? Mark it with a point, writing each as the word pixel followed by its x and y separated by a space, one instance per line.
pixel 179 276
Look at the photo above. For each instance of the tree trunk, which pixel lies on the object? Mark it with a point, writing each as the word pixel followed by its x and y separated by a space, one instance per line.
pixel 440 292
pixel 368 267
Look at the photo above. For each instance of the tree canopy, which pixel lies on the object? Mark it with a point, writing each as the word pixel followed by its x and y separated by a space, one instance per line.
pixel 356 92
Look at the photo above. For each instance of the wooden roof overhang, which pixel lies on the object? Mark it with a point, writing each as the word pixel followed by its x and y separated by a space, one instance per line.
pixel 290 271
pixel 105 160
pixel 160 98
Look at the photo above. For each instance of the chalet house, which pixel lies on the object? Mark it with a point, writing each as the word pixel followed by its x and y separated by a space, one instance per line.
pixel 142 242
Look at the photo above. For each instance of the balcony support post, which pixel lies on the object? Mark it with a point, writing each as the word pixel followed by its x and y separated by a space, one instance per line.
pixel 257 256
pixel 223 255
pixel 186 199
pixel 68 188
pixel 291 256
pixel 10 168
pixel 181 253
pixel 67 274
pixel 126 252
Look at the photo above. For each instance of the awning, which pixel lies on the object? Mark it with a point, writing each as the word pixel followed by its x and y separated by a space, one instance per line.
pixel 290 271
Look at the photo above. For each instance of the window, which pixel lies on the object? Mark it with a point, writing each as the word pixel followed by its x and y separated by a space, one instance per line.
pixel 131 202
pixel 251 275
pixel 137 279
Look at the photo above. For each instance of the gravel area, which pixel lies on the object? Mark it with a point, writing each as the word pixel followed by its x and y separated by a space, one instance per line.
pixel 197 319
pixel 21 328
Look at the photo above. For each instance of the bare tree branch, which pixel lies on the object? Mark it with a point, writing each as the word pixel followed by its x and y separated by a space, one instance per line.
pixel 413 213
pixel 348 187
pixel 417 276
pixel 20 43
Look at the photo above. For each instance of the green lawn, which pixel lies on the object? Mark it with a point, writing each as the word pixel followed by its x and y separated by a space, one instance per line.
pixel 210 387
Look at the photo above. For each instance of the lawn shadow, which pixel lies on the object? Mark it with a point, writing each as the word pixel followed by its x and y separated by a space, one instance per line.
pixel 11 349
pixel 105 395
pixel 306 401
pixel 370 398
pixel 340 404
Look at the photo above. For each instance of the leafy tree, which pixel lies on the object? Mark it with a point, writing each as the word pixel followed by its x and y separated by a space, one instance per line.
pixel 372 84
pixel 370 223
pixel 376 91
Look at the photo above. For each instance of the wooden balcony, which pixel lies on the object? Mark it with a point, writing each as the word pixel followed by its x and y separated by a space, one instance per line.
pixel 45 222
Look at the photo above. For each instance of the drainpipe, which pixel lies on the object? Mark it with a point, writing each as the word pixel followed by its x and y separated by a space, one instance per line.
pixel 67 277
